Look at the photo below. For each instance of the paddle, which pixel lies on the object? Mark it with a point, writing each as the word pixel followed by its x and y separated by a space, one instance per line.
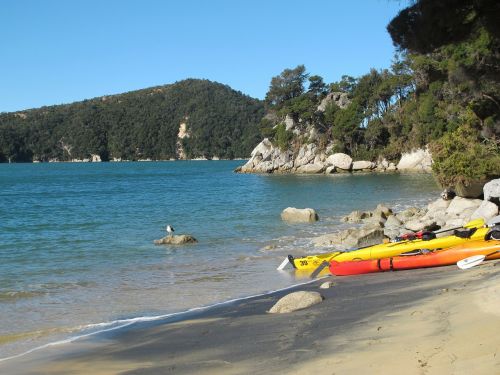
pixel 473 260
pixel 283 264
pixel 319 269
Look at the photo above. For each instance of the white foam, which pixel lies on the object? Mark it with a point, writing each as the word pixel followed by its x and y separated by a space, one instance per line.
pixel 122 323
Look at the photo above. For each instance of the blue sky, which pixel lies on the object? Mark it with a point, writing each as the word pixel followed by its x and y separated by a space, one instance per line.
pixel 55 52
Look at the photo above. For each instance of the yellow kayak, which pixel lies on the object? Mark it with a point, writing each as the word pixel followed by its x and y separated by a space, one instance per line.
pixel 390 249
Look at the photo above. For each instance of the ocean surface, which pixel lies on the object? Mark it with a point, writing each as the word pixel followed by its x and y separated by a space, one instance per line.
pixel 76 239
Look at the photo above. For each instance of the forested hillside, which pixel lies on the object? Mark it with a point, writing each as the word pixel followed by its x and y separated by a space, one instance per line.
pixel 442 91
pixel 141 124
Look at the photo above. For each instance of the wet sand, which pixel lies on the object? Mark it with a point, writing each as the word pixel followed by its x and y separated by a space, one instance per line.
pixel 428 321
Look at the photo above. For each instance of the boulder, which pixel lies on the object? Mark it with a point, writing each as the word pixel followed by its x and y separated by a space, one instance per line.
pixel 438 206
pixel 376 219
pixel 330 239
pixel 355 217
pixel 485 211
pixel 458 205
pixel 419 160
pixel 418 225
pixel 296 301
pixel 327 285
pixel 492 191
pixel 179 239
pixel 365 237
pixel 393 222
pixel 392 232
pixel 386 211
pixel 299 215
pixel 411 212
pixel 339 160
pixel 330 170
pixel 472 189
pixel 311 168
pixel 362 165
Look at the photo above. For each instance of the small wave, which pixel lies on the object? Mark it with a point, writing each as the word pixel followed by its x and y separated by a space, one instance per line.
pixel 13 296
pixel 97 328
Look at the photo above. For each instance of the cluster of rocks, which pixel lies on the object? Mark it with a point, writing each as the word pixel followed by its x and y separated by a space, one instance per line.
pixel 268 158
pixel 442 214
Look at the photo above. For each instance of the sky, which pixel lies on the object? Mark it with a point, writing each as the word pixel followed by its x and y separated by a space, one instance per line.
pixel 61 51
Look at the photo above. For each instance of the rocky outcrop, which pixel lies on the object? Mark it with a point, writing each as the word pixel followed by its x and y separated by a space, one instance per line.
pixel 180 239
pixel 299 215
pixel 296 301
pixel 340 99
pixel 267 158
pixel 418 160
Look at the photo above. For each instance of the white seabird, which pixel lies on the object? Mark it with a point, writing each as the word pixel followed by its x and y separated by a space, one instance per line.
pixel 170 230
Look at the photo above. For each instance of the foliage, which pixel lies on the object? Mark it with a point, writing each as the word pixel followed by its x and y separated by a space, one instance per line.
pixel 460 157
pixel 286 86
pixel 137 125
pixel 282 136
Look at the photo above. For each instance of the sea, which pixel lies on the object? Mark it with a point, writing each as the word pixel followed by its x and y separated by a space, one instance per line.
pixel 76 239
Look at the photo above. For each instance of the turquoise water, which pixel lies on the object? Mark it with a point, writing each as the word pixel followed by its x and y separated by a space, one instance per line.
pixel 76 239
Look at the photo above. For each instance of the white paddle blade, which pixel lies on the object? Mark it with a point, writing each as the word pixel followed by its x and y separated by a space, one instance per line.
pixel 283 264
pixel 470 261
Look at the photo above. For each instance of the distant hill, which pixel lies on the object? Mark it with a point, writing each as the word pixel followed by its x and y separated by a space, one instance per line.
pixel 188 119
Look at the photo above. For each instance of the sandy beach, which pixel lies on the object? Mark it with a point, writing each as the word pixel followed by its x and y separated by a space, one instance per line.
pixel 427 321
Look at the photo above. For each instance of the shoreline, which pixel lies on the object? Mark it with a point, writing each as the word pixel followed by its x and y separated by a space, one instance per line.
pixel 362 322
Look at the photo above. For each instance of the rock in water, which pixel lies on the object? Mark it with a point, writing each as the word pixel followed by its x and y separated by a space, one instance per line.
pixel 180 239
pixel 296 301
pixel 299 215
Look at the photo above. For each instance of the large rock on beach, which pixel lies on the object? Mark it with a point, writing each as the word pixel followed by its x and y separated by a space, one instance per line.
pixel 486 211
pixel 393 222
pixel 337 238
pixel 180 239
pixel 459 205
pixel 418 225
pixel 296 301
pixel 340 160
pixel 418 160
pixel 299 215
pixel 491 191
pixel 365 237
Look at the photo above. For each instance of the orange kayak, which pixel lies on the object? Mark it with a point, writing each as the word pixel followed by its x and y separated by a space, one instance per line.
pixel 436 258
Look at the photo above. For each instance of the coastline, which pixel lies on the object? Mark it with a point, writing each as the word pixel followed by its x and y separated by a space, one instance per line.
pixel 428 321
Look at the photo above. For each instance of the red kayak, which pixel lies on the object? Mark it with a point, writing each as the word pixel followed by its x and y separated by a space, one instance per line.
pixel 436 258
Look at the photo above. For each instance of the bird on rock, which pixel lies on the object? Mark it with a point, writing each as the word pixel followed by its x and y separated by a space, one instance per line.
pixel 170 230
